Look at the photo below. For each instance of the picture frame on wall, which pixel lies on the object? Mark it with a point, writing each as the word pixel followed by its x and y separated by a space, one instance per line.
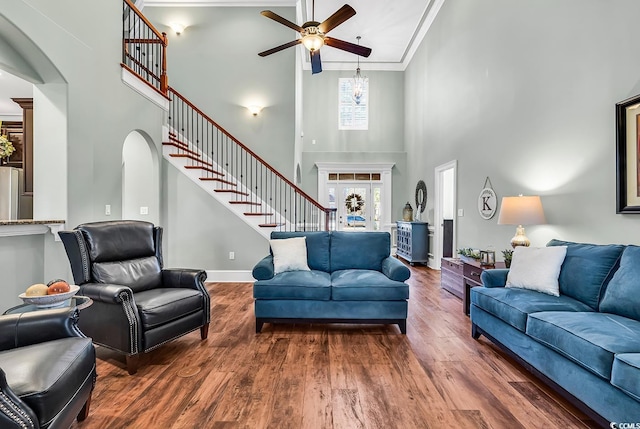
pixel 628 155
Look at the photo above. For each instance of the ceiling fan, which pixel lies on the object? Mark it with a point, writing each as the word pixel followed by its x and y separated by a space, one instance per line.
pixel 313 35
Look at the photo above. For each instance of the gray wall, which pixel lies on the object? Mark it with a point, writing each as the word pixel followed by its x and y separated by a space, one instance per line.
pixel 524 92
pixel 98 112
pixel 382 142
pixel 215 64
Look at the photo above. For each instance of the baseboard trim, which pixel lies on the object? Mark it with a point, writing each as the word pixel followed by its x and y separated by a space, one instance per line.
pixel 229 276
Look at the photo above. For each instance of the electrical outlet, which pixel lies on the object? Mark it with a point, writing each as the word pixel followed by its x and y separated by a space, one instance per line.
pixel 107 210
pixel 232 255
pixel 460 212
pixel 144 210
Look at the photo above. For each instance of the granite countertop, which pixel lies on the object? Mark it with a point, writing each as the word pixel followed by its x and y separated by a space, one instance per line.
pixel 30 222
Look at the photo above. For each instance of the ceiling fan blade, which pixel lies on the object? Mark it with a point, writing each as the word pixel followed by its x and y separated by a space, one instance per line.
pixel 280 48
pixel 363 51
pixel 316 64
pixel 282 20
pixel 340 16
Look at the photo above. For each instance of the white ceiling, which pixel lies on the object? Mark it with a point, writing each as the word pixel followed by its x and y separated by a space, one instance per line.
pixel 393 29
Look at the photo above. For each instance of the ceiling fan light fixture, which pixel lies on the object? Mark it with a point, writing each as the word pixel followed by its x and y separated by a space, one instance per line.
pixel 312 40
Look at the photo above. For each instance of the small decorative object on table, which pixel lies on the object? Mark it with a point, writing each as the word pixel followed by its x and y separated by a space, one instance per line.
pixel 507 254
pixel 407 213
pixel 487 258
pixel 469 254
pixel 53 294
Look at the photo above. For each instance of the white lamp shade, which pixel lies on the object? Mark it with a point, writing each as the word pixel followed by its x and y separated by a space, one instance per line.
pixel 521 210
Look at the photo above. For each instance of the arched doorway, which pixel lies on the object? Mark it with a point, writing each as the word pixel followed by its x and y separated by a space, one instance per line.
pixel 140 178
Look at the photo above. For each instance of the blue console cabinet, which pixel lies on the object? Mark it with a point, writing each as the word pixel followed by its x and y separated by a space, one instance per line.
pixel 413 241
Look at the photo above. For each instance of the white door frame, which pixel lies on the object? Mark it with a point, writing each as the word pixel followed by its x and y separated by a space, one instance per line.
pixel 438 208
pixel 384 168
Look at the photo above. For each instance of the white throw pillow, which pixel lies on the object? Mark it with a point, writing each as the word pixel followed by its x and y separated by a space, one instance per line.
pixel 289 254
pixel 537 268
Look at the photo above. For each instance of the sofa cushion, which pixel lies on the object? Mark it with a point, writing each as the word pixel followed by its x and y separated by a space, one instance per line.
pixel 295 285
pixel 289 254
pixel 622 295
pixel 514 305
pixel 590 339
pixel 46 375
pixel 359 250
pixel 536 268
pixel 586 270
pixel 625 374
pixel 317 247
pixel 162 305
pixel 366 285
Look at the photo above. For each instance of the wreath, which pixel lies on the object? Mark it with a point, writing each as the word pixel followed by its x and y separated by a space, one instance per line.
pixel 354 202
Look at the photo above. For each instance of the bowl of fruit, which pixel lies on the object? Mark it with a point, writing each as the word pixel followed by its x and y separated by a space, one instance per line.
pixel 56 293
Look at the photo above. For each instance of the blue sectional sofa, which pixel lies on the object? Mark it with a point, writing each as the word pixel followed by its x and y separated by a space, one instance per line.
pixel 352 279
pixel 584 343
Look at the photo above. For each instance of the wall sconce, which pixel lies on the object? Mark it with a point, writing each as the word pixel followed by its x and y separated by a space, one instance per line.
pixel 521 211
pixel 254 110
pixel 177 27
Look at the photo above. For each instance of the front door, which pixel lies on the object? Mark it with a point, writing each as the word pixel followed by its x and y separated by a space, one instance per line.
pixel 358 206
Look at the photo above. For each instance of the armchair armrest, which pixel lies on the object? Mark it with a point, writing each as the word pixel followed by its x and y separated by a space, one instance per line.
pixel 395 269
pixel 106 293
pixel 24 329
pixel 184 278
pixel 496 277
pixel 264 269
pixel 14 413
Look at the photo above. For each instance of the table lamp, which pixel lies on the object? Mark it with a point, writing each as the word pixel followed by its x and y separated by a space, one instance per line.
pixel 521 210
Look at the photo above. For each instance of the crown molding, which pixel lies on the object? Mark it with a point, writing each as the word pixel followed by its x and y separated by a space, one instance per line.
pixel 220 3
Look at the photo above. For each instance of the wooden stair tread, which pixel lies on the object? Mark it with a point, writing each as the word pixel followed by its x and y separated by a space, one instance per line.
pixel 217 179
pixel 195 158
pixel 202 167
pixel 181 147
pixel 257 214
pixel 232 191
pixel 270 225
pixel 251 203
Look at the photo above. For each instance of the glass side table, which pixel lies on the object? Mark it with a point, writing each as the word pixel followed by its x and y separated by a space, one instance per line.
pixel 78 301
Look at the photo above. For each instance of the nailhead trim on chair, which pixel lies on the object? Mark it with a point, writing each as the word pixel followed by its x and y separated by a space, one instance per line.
pixel 133 324
pixel 10 409
pixel 83 255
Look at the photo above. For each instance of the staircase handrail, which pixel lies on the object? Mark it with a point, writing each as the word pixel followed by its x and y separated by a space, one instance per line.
pixel 163 80
pixel 252 153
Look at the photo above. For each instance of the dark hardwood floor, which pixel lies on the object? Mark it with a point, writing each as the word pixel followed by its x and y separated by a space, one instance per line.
pixel 327 376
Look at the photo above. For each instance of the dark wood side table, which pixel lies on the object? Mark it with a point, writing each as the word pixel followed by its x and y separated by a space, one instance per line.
pixel 458 276
pixel 471 277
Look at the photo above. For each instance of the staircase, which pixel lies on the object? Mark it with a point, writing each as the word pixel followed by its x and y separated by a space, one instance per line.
pixel 209 155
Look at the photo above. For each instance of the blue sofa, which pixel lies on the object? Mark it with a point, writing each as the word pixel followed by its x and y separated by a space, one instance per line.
pixel 352 279
pixel 584 343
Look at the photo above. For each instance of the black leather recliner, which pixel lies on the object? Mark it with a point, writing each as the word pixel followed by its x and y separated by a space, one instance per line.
pixel 137 305
pixel 47 370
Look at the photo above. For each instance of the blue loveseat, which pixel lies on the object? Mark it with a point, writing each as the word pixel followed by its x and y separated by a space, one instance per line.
pixel 584 343
pixel 352 279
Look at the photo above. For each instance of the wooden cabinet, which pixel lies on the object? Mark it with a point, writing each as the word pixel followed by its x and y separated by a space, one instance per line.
pixel 413 241
pixel 458 277
pixel 451 276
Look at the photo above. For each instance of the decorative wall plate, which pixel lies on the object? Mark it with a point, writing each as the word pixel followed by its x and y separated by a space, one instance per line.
pixel 487 201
